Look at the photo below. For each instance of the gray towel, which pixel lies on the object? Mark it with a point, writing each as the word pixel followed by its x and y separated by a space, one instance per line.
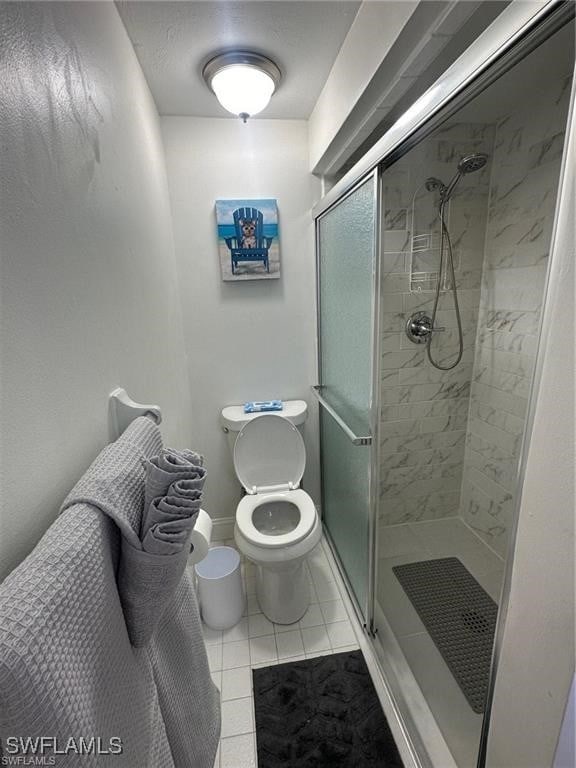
pixel 186 489
pixel 165 509
pixel 147 582
pixel 168 466
pixel 169 537
pixel 67 667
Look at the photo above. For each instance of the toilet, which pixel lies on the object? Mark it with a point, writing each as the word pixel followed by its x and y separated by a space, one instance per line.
pixel 277 525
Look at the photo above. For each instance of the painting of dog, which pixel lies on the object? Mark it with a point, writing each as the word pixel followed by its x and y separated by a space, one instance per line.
pixel 248 241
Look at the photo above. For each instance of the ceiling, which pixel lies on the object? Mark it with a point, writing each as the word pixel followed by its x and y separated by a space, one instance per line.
pixel 173 40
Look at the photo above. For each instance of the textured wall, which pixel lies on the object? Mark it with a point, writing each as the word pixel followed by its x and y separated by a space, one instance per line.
pixel 523 190
pixel 424 411
pixel 250 340
pixel 88 283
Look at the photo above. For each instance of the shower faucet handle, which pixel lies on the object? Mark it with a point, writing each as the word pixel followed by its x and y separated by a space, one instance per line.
pixel 419 328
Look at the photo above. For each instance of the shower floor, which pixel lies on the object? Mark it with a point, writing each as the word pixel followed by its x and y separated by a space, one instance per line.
pixel 408 543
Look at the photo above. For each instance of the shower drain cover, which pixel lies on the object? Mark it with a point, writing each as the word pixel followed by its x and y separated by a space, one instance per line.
pixel 459 616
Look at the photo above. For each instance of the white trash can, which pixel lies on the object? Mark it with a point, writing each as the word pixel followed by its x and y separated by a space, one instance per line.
pixel 220 590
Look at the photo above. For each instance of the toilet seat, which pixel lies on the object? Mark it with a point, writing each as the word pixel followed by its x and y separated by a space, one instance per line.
pixel 250 503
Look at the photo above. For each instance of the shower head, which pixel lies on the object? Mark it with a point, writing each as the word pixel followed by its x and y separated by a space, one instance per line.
pixel 467 164
pixel 472 163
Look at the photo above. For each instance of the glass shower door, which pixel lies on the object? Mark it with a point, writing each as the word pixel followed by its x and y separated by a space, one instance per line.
pixel 346 313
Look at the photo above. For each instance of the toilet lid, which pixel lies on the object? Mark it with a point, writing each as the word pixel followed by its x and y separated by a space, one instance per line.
pixel 269 453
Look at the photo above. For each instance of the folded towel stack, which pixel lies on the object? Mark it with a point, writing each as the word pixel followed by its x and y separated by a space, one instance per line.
pixel 172 497
pixel 173 493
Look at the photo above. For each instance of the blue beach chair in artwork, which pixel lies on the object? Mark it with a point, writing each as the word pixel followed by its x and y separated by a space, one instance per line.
pixel 249 244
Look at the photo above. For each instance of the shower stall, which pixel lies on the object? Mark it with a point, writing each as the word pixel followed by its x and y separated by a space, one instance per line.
pixel 432 270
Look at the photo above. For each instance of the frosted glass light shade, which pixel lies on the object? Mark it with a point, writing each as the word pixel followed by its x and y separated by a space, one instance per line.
pixel 243 90
pixel 243 82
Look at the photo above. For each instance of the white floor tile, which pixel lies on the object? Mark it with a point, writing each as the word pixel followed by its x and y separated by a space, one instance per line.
pixel 236 633
pixel 340 634
pixel 235 655
pixel 239 752
pixel 327 591
pixel 217 679
pixel 289 659
pixel 315 639
pixel 316 654
pixel 236 683
pixel 263 649
pixel 333 610
pixel 313 616
pixel 261 664
pixel 237 717
pixel 279 628
pixel 214 657
pixel 259 625
pixel 321 573
pixel 289 644
pixel 217 760
pixel 211 636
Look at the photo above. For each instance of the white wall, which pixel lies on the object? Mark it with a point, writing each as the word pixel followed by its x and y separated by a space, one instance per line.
pixel 536 661
pixel 88 283
pixel 248 340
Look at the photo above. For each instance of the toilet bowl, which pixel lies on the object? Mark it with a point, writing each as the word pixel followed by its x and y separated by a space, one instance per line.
pixel 277 525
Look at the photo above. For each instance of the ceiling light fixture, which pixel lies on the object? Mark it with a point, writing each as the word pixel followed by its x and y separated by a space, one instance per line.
pixel 243 82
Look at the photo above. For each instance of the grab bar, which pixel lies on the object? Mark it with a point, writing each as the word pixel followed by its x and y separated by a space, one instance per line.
pixel 356 439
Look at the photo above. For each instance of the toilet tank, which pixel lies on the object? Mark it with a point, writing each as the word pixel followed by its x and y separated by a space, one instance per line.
pixel 233 418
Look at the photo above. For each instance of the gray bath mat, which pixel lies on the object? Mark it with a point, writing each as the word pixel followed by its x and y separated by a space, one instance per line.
pixel 460 618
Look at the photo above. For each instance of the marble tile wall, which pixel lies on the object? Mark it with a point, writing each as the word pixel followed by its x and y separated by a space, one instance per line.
pixel 424 411
pixel 524 180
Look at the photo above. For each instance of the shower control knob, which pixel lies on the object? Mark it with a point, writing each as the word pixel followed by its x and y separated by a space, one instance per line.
pixel 419 328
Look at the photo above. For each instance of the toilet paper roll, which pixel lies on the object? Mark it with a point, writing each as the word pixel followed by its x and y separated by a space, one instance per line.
pixel 200 539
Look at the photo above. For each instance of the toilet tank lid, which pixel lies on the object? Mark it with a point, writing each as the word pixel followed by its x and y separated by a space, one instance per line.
pixel 234 418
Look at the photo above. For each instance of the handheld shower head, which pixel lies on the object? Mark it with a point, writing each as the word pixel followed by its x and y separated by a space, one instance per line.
pixel 433 183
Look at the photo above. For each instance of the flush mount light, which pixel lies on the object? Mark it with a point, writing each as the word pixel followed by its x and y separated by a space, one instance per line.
pixel 243 82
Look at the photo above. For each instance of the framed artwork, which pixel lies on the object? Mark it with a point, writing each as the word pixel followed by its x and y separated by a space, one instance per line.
pixel 248 244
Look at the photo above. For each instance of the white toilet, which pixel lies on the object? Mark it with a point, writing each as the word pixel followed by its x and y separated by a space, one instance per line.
pixel 277 525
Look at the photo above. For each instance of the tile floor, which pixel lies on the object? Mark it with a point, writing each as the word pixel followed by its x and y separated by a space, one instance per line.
pixel 256 642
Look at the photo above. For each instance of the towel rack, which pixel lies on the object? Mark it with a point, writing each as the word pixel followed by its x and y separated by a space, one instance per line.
pixel 122 410
pixel 356 439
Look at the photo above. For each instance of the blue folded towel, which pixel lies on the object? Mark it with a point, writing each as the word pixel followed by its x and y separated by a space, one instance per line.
pixel 256 406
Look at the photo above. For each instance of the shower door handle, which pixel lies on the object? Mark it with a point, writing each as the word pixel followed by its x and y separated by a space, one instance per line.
pixel 356 439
